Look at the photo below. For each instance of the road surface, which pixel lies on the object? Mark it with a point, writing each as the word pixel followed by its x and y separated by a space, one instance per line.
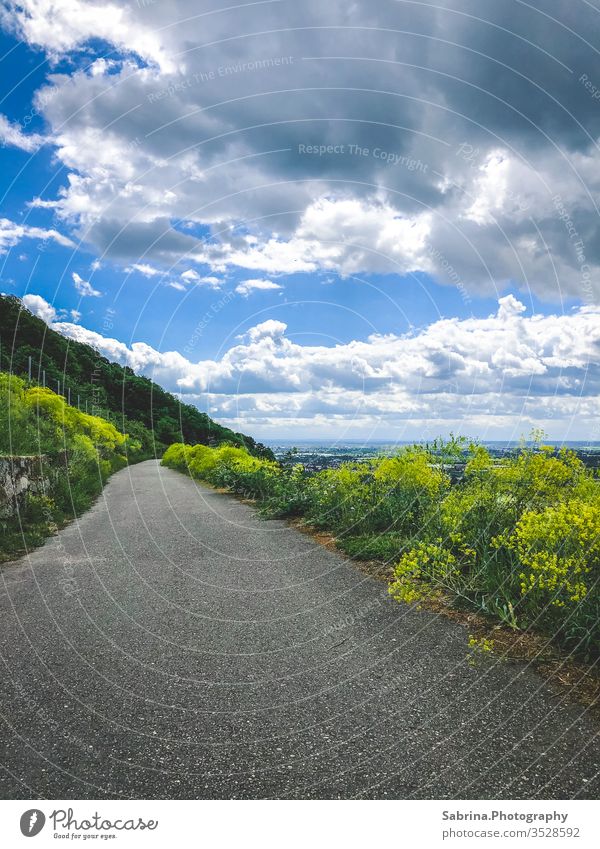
pixel 171 644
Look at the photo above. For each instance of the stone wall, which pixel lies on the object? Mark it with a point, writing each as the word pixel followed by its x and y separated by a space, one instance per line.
pixel 20 476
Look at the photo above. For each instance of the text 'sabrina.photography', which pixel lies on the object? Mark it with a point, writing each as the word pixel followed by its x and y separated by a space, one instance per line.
pixel 300 423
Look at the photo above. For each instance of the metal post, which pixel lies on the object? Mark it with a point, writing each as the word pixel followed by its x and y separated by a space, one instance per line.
pixel 29 369
pixel 78 407
pixel 44 378
pixel 69 401
pixel 58 387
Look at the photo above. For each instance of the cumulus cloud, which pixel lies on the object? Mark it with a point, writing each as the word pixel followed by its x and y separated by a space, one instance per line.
pixel 39 306
pixel 191 276
pixel 13 136
pixel 269 329
pixel 12 233
pixel 84 287
pixel 60 26
pixel 145 269
pixel 246 287
pixel 477 164
pixel 495 374
pixel 509 306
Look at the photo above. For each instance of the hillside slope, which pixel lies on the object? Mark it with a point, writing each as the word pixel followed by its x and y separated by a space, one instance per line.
pixel 105 386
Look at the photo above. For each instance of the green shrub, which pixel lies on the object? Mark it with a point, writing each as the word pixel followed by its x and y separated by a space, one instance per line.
pixel 558 552
pixel 82 451
pixel 427 564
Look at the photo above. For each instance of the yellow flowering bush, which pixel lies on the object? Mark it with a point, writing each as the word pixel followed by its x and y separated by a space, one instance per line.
pixel 558 551
pixel 70 422
pixel 413 469
pixel 426 565
pixel 225 465
pixel 339 498
pixel 80 451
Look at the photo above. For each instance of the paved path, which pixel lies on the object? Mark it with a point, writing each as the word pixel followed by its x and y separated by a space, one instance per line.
pixel 172 644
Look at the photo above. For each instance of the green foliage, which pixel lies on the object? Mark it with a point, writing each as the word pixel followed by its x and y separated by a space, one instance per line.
pixel 427 563
pixel 134 404
pixel 518 538
pixel 225 466
pixel 79 452
pixel 384 547
pixel 558 551
pixel 398 494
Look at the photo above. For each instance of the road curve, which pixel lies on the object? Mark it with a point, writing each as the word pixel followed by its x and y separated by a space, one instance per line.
pixel 171 644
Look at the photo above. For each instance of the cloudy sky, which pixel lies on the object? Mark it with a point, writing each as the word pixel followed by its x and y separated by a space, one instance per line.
pixel 350 220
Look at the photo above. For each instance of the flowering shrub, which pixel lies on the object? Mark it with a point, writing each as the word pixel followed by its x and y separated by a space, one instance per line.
pixel 424 565
pixel 558 551
pixel 398 494
pixel 82 449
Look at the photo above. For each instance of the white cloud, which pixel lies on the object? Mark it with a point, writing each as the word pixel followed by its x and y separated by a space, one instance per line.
pixel 489 189
pixel 510 306
pixel 84 287
pixel 75 316
pixel 39 203
pixel 12 233
pixel 144 268
pixel 246 287
pixel 269 329
pixel 60 26
pixel 500 375
pixel 191 276
pixel 12 135
pixel 347 236
pixel 39 306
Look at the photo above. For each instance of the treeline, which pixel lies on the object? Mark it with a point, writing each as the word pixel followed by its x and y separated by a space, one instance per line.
pixel 136 405
pixel 517 538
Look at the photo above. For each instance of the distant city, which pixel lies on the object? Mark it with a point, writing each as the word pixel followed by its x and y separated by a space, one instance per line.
pixel 317 455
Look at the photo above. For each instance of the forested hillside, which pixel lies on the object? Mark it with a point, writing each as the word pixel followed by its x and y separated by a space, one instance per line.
pixel 135 404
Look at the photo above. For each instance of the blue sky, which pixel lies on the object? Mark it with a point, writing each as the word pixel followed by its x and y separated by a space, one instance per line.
pixel 347 224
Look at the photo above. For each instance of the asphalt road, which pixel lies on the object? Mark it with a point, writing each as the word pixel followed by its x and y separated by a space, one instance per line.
pixel 173 645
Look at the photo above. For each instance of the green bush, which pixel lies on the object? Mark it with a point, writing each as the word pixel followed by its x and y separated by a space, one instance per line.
pixel 399 494
pixel 558 552
pixel 81 451
pixel 519 539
